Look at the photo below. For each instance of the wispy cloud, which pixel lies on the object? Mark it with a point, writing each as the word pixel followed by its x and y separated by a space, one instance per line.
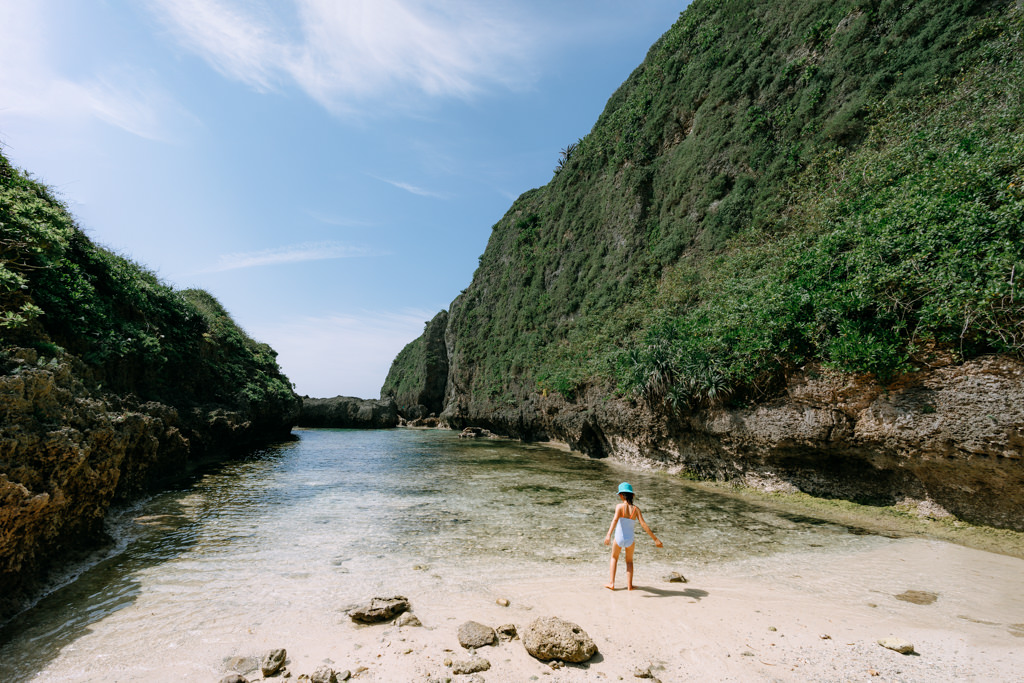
pixel 413 189
pixel 345 53
pixel 295 253
pixel 32 86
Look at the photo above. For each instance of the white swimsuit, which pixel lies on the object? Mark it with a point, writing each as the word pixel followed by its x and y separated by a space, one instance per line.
pixel 624 532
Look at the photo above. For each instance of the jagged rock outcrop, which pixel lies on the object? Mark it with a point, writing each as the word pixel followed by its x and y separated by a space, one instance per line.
pixel 67 453
pixel 949 438
pixel 348 412
pixel 419 374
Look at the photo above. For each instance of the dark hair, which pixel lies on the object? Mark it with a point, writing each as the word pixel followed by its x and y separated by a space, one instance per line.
pixel 628 496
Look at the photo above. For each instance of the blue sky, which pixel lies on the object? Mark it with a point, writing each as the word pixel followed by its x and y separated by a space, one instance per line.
pixel 328 169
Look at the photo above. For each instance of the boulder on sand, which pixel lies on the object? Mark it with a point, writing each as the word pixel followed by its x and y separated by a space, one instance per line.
pixel 551 638
pixel 379 609
pixel 273 661
pixel 473 635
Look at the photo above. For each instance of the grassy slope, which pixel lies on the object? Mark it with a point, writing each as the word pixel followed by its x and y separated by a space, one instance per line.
pixel 839 181
pixel 60 292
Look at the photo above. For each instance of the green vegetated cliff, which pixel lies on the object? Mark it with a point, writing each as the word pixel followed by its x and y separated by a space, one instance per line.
pixel 788 215
pixel 419 373
pixel 110 383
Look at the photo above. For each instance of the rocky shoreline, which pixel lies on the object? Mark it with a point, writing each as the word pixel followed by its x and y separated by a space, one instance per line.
pixel 70 452
pixel 947 440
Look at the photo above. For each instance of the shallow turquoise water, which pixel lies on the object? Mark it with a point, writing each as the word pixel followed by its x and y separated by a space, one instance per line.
pixel 338 514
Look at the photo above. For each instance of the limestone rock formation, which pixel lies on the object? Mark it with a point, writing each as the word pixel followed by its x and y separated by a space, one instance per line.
pixel 551 638
pixel 945 440
pixel 67 453
pixel 347 412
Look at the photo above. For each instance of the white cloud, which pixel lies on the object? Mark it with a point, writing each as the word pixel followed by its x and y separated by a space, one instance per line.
pixel 237 42
pixel 32 87
pixel 344 354
pixel 345 53
pixel 413 189
pixel 295 253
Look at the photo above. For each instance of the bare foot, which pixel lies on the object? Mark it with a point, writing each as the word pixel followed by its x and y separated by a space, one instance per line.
pixel 610 586
pixel 629 588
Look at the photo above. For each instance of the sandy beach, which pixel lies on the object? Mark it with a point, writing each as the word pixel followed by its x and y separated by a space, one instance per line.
pixel 808 618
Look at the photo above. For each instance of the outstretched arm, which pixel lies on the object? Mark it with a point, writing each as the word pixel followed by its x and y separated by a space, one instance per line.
pixel 640 516
pixel 611 529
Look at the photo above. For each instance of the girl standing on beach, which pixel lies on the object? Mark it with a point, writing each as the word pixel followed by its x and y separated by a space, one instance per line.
pixel 626 517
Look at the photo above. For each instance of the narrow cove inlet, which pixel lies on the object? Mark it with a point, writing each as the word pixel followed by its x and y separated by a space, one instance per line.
pixel 270 551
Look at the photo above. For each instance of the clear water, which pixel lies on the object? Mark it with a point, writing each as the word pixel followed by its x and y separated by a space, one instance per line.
pixel 338 516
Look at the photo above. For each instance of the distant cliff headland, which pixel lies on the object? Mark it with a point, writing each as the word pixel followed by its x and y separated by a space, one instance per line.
pixel 788 253
pixel 110 384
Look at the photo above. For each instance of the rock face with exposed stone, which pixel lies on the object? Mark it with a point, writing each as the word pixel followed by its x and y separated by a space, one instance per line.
pixel 948 439
pixel 550 638
pixel 348 412
pixel 70 450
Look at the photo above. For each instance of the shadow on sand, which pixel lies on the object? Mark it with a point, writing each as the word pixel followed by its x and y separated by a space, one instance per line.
pixel 694 593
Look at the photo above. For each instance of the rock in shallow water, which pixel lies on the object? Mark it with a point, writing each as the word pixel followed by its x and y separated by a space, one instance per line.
pixel 550 638
pixel 918 597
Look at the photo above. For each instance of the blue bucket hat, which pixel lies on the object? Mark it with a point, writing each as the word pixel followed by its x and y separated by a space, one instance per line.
pixel 624 487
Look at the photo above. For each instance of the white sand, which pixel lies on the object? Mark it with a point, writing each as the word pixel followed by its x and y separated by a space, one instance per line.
pixel 828 611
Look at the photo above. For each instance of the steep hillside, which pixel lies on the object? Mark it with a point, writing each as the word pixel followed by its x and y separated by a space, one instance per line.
pixel 828 195
pixel 419 373
pixel 110 383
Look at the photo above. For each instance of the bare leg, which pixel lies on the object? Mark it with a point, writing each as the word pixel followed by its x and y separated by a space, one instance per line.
pixel 613 564
pixel 629 566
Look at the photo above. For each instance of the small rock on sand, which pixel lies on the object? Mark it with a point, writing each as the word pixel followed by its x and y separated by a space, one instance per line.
pixel 470 666
pixel 507 632
pixel 473 635
pixel 676 577
pixel 379 609
pixel 242 665
pixel 273 661
pixel 409 619
pixel 503 602
pixel 904 647
pixel 324 674
pixel 234 678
